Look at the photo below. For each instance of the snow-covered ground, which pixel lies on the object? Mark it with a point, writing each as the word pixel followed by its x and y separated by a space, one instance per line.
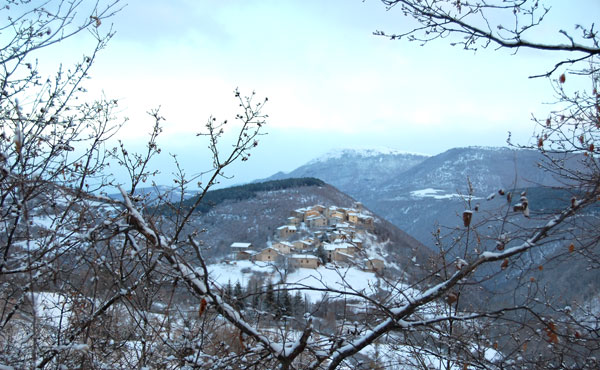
pixel 335 278
pixel 437 194
pixel 52 307
pixel 432 193
pixel 407 357
pixel 346 279
pixel 232 272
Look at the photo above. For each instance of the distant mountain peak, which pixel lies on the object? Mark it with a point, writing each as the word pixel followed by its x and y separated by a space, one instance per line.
pixel 487 148
pixel 490 148
pixel 362 152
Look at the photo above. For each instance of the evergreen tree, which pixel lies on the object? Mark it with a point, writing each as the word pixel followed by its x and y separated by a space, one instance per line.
pixel 255 292
pixel 298 304
pixel 228 290
pixel 238 295
pixel 322 254
pixel 238 290
pixel 270 302
pixel 286 303
pixel 278 304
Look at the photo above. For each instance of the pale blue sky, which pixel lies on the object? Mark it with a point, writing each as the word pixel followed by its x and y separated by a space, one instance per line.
pixel 330 82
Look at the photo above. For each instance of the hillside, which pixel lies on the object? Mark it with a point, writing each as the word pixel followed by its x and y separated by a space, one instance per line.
pixel 434 192
pixel 417 193
pixel 248 191
pixel 254 219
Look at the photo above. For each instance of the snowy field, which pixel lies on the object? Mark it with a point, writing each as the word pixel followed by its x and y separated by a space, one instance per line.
pixel 311 281
pixel 437 194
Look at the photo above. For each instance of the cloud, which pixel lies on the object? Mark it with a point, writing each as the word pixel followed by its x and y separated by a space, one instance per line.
pixel 330 82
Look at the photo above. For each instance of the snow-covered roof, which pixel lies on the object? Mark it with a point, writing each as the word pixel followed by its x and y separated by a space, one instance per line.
pixel 290 227
pixel 304 256
pixel 343 233
pixel 345 254
pixel 337 245
pixel 241 245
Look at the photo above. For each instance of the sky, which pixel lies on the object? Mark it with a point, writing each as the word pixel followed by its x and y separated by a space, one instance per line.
pixel 330 82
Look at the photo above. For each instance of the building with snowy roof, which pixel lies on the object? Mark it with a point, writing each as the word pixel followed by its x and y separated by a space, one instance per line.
pixel 305 260
pixel 268 254
pixel 286 231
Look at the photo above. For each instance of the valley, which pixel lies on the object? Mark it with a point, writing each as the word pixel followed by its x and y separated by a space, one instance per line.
pixel 293 256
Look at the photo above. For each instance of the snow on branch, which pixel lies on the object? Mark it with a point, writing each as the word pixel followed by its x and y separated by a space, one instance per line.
pixel 200 284
pixel 400 314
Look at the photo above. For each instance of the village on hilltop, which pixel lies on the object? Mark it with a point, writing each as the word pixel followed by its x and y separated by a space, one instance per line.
pixel 317 235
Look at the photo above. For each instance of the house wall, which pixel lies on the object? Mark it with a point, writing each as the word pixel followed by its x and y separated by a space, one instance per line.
pixel 374 265
pixel 286 232
pixel 267 255
pixel 319 208
pixel 295 221
pixel 311 263
pixel 282 248
pixel 349 250
pixel 340 255
pixel 243 255
pixel 318 221
pixel 298 245
pixel 353 218
pixel 310 213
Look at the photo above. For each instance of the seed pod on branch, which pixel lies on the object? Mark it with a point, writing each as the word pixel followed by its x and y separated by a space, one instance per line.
pixel 451 297
pixel 467 216
pixel 203 305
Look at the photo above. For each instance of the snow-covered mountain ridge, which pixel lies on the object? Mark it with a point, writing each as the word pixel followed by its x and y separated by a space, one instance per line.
pixel 356 172
pixel 395 184
pixel 363 153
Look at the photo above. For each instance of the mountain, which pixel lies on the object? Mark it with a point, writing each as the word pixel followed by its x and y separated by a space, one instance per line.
pixel 487 168
pixel 416 192
pixel 436 191
pixel 356 172
pixel 156 193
